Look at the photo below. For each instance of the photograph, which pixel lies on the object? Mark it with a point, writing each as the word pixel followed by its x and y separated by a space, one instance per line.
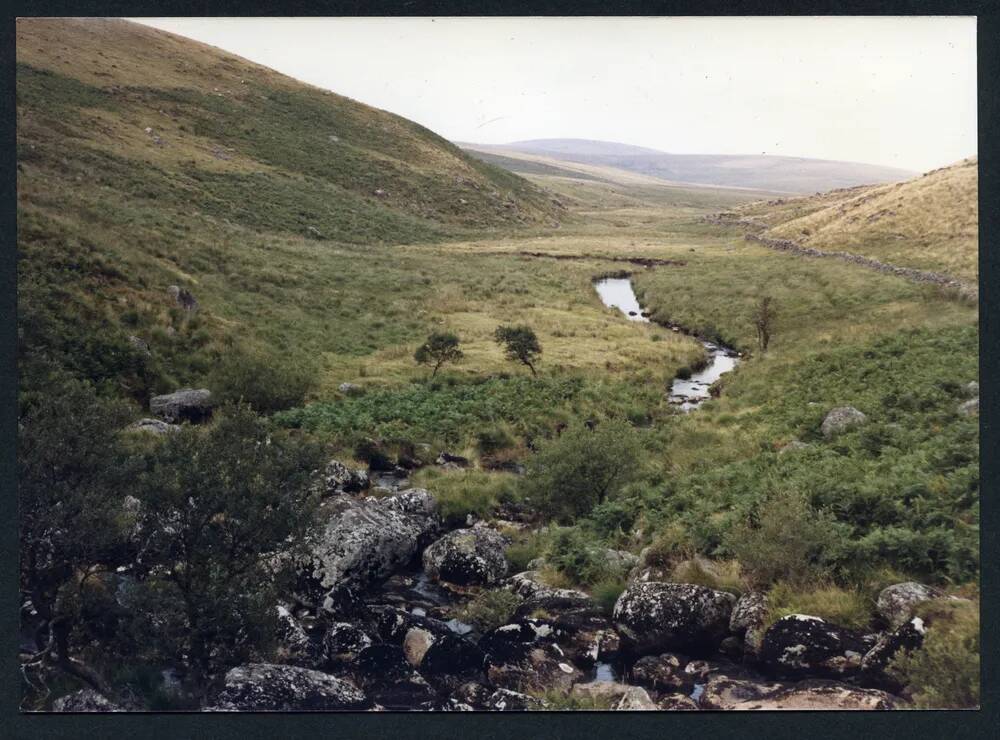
pixel 496 364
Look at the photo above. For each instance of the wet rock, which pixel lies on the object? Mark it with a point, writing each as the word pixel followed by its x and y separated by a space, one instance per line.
pixel 802 645
pixel 748 619
pixel 153 426
pixel 84 700
pixel 895 603
pixel 908 636
pixel 268 687
pixel 363 541
pixel 186 404
pixel 389 680
pixel 970 407
pixel 343 643
pixel 467 557
pixel 841 419
pixel 658 616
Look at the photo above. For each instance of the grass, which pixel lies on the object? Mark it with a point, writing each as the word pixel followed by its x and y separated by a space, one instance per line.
pixel 846 607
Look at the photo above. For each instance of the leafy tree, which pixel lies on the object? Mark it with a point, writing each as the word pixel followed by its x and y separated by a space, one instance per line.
pixel 71 503
pixel 763 321
pixel 219 505
pixel 582 468
pixel 520 344
pixel 440 347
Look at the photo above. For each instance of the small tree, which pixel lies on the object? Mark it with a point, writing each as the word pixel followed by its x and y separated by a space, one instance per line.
pixel 520 344
pixel 763 321
pixel 440 347
pixel 582 468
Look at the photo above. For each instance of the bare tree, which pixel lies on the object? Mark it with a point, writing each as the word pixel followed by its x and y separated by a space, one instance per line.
pixel 763 318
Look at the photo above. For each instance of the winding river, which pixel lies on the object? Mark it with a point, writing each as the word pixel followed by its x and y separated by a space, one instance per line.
pixel 686 393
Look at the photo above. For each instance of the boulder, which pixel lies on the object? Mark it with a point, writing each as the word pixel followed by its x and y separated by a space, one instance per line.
pixel 140 344
pixel 972 388
pixel 361 542
pixel 451 660
pixel 416 643
pixel 448 459
pixel 970 407
pixel 676 703
pixel 748 619
pixel 186 404
pixel 908 636
pixel 661 672
pixel 390 681
pixel 528 584
pixel 635 699
pixel 657 616
pixel 268 687
pixel 803 645
pixel 350 389
pixel 183 298
pixel 338 478
pixel 527 667
pixel 84 700
pixel 728 694
pixel 343 643
pixel 583 630
pixel 505 700
pixel 840 419
pixel 153 426
pixel 895 603
pixel 295 644
pixel 468 557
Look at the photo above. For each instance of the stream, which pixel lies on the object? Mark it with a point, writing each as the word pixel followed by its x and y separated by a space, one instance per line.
pixel 688 393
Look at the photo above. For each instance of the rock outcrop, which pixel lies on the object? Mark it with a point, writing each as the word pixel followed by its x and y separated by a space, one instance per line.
pixel 186 404
pixel 268 687
pixel 658 617
pixel 895 603
pixel 841 419
pixel 468 557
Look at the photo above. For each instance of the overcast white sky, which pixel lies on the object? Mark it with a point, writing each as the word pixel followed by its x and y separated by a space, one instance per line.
pixel 892 91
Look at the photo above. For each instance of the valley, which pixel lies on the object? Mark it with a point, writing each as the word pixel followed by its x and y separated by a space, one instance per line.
pixel 645 514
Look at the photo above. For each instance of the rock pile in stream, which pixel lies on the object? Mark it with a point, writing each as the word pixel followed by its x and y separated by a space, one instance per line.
pixel 346 643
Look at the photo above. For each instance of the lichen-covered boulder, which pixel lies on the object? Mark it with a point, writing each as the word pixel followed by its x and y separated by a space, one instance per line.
pixel 528 584
pixel 727 694
pixel 895 603
pixel 803 645
pixel 748 619
pixel 268 687
pixel 467 557
pixel 657 616
pixel 841 419
pixel 186 404
pixel 970 407
pixel 338 478
pixel 908 636
pixel 343 643
pixel 361 542
pixel 295 644
pixel 585 633
pixel 84 700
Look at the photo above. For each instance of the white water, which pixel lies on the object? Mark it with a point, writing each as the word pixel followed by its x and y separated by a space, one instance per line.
pixel 686 394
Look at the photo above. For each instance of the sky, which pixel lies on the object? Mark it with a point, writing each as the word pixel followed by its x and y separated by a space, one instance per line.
pixel 896 91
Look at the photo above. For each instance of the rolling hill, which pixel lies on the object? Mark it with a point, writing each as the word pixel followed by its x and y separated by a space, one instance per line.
pixel 147 160
pixel 930 222
pixel 758 172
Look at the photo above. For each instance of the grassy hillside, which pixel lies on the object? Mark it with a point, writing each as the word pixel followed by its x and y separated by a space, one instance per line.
pixel 760 172
pixel 146 160
pixel 930 222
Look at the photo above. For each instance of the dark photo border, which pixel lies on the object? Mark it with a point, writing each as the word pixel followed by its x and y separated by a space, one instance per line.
pixel 483 725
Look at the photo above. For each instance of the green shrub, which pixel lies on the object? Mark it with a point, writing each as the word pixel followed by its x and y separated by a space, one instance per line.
pixel 524 549
pixel 579 556
pixel 268 383
pixel 582 468
pixel 494 439
pixel 606 592
pixel 490 609
pixel 944 672
pixel 785 539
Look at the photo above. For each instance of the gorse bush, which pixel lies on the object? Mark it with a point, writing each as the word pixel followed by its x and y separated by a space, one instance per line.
pixel 583 468
pixel 944 673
